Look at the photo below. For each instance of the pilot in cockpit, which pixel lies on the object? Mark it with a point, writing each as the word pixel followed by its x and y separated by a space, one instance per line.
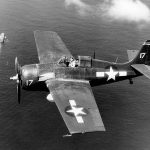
pixel 65 61
pixel 73 62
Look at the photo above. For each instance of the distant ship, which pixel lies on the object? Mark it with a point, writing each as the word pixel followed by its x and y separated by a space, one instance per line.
pixel 2 37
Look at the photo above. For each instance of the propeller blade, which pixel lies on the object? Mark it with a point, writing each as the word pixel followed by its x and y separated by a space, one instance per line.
pixel 18 79
pixel 17 68
pixel 18 91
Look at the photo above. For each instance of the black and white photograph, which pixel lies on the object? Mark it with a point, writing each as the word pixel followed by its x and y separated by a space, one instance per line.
pixel 75 75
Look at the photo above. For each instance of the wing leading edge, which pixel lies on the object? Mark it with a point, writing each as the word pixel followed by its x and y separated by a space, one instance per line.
pixel 77 105
pixel 50 47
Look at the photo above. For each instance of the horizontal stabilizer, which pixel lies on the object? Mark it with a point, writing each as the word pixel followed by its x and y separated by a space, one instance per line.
pixel 144 69
pixel 132 54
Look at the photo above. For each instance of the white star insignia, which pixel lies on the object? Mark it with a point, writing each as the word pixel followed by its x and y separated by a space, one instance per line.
pixel 77 111
pixel 111 74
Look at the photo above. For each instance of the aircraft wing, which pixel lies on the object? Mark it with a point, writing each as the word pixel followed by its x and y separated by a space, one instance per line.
pixel 77 105
pixel 50 47
pixel 143 69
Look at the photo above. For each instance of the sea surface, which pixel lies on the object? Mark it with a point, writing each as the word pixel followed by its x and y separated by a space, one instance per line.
pixel 36 124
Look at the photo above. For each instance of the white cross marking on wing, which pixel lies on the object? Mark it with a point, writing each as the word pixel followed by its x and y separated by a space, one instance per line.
pixel 77 111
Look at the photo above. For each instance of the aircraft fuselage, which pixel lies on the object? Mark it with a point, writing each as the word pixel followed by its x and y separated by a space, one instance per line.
pixel 98 72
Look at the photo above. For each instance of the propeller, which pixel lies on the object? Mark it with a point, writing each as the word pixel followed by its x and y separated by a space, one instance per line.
pixel 18 79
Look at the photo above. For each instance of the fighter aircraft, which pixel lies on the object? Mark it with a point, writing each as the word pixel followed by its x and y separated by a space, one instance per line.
pixel 69 79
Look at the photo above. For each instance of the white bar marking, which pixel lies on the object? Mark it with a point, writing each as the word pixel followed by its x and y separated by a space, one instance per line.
pixel 79 119
pixel 100 74
pixel 122 73
pixel 72 103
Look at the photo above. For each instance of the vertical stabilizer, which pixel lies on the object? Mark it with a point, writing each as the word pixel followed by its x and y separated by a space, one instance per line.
pixel 132 54
pixel 143 57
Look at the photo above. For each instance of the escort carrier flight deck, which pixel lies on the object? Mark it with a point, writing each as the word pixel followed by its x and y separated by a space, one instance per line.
pixel 69 79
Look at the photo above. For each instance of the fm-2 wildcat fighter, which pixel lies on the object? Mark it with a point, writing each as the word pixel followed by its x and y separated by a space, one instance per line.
pixel 69 79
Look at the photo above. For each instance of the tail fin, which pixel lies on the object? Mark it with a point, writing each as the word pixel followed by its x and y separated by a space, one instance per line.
pixel 132 54
pixel 143 56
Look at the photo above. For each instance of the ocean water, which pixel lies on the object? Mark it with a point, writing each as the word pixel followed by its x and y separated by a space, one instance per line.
pixel 36 124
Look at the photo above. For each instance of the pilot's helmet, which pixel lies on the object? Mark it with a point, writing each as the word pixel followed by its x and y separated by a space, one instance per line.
pixel 71 59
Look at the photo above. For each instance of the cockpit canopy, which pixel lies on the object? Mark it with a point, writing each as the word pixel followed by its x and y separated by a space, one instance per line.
pixel 85 61
pixel 80 61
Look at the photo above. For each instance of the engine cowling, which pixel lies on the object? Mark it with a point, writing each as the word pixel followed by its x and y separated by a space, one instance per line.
pixel 29 75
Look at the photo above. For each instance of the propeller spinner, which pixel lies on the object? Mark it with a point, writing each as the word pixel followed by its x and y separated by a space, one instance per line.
pixel 17 77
